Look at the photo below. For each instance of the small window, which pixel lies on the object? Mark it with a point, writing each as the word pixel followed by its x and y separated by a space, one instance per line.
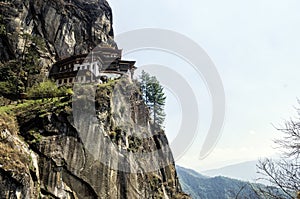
pixel 78 68
pixel 71 80
pixel 59 81
pixel 65 81
pixel 81 79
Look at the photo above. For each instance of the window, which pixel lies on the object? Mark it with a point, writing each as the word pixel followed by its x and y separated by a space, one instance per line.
pixel 59 81
pixel 71 80
pixel 78 68
pixel 65 81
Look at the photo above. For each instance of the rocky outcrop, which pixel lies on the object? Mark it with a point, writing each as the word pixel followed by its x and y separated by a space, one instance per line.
pixel 100 146
pixel 66 27
pixel 15 162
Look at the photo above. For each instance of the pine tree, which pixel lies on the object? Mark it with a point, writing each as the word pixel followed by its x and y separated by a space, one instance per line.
pixel 144 84
pixel 154 97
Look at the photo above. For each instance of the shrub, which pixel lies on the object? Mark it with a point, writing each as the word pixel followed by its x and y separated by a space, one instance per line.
pixel 45 89
pixel 7 89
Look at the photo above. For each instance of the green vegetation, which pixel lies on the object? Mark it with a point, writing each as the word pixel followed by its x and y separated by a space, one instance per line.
pixel 47 89
pixel 35 137
pixel 7 122
pixel 26 111
pixel 199 186
pixel 116 134
pixel 134 143
pixel 19 74
pixel 154 97
pixel 11 157
pixel 30 108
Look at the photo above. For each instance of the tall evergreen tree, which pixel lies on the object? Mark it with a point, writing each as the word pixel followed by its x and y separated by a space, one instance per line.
pixel 154 97
pixel 144 84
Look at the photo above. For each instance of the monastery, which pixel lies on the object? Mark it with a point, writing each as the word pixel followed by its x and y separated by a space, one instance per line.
pixel 94 67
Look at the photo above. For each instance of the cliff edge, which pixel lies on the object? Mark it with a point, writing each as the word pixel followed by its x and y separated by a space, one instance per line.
pixel 94 142
pixel 50 150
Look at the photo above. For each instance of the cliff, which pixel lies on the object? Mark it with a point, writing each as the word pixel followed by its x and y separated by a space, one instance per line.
pixel 46 153
pixel 98 142
pixel 66 27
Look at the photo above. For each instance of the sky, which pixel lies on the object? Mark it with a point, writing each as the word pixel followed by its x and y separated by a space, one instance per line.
pixel 255 47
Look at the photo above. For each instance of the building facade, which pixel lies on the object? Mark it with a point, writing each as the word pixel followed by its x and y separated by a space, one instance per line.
pixel 90 68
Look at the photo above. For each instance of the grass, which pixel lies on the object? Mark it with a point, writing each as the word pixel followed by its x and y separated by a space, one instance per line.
pixel 8 122
pixel 32 105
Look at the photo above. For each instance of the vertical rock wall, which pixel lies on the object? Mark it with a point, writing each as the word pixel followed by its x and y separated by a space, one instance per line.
pixel 67 27
pixel 74 154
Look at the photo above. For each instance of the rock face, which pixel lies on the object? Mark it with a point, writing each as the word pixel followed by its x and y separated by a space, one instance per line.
pixel 97 144
pixel 67 27
pixel 67 152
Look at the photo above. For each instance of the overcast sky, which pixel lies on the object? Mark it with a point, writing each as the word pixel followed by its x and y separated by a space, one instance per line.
pixel 255 46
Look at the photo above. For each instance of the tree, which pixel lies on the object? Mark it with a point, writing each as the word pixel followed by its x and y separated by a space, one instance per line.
pixel 33 46
pixel 144 84
pixel 11 77
pixel 285 173
pixel 23 72
pixel 154 97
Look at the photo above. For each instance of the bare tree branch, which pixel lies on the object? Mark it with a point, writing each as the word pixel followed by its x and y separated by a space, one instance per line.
pixel 284 173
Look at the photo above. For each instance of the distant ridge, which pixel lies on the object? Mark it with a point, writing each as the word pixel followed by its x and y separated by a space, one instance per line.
pixel 236 171
pixel 203 187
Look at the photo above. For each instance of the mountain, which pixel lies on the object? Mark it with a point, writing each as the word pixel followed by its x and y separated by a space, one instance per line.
pixel 200 186
pixel 89 141
pixel 236 171
pixel 204 187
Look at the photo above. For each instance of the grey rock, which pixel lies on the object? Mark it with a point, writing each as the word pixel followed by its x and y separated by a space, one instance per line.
pixel 115 153
pixel 67 27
